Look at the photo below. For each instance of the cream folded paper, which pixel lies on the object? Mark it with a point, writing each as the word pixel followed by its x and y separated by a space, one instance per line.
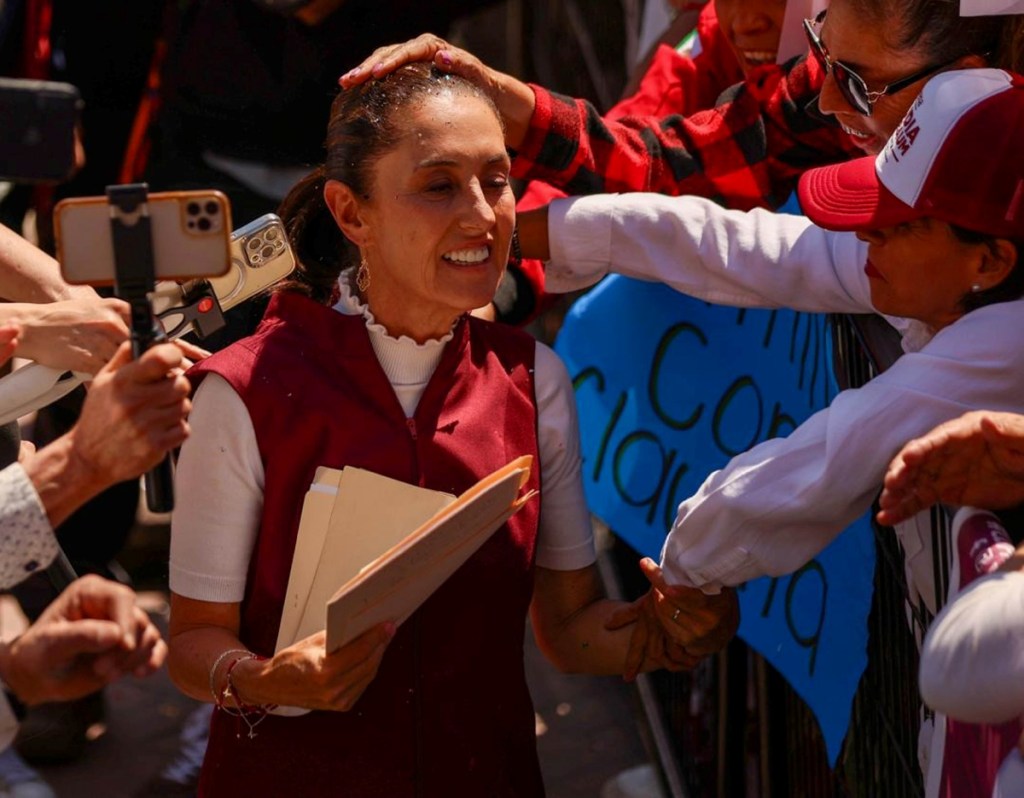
pixel 371 549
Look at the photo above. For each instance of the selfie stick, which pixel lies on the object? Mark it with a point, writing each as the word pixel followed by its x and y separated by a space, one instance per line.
pixel 134 279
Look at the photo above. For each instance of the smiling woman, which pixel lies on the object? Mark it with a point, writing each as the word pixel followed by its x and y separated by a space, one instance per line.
pixel 877 55
pixel 434 232
pixel 370 358
pixel 752 29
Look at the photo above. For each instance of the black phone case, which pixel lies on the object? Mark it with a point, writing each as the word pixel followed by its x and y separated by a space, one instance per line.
pixel 37 130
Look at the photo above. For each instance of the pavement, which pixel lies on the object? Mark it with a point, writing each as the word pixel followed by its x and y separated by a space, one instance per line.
pixel 589 729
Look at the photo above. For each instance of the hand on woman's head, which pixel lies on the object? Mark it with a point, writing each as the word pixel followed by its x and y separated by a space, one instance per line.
pixel 514 99
pixel 425 47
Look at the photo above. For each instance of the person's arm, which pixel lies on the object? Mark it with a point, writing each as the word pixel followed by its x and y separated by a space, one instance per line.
pixel 746 152
pixel 973 654
pixel 27 274
pixel 752 259
pixel 975 460
pixel 569 609
pixel 774 507
pixel 212 537
pixel 134 413
pixel 27 542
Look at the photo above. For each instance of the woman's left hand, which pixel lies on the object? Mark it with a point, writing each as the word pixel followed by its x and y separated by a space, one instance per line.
pixel 681 624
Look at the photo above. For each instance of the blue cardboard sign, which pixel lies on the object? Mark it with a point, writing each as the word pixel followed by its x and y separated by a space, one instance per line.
pixel 669 388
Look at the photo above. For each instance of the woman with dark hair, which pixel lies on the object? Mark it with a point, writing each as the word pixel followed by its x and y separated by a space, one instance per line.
pixel 369 358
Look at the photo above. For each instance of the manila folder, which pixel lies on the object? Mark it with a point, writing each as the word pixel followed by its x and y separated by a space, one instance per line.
pixel 349 518
pixel 394 585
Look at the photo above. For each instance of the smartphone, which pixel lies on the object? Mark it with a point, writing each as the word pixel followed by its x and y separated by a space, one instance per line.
pixel 260 257
pixel 37 144
pixel 191 232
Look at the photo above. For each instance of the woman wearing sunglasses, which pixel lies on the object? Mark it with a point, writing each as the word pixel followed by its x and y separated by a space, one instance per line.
pixel 869 61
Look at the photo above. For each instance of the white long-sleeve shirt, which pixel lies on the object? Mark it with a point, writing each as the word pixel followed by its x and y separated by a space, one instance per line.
pixel 774 507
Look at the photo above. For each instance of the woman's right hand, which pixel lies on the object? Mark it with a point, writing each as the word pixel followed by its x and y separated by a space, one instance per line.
pixel 305 675
pixel 514 99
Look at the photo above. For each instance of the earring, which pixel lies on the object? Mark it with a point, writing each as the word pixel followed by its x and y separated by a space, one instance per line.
pixel 363 276
pixel 517 251
pixel 976 287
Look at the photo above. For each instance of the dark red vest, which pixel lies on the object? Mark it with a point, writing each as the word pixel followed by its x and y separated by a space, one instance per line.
pixel 449 713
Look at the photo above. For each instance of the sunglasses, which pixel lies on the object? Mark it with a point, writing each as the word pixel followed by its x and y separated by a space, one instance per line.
pixel 851 85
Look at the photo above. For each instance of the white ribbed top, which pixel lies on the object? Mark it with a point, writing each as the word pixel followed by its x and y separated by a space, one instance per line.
pixel 407 364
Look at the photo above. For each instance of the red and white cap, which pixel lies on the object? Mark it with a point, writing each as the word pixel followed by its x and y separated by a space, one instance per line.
pixel 957 156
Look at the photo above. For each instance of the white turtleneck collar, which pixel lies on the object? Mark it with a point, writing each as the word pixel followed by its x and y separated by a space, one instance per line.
pixel 407 364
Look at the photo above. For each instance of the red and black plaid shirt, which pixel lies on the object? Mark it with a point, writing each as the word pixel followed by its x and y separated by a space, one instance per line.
pixel 746 152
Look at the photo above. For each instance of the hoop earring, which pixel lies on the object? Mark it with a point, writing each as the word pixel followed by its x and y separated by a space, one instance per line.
pixel 363 276
pixel 976 288
pixel 517 251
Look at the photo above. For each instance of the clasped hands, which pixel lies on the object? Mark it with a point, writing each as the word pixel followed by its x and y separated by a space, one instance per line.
pixel 675 626
pixel 90 635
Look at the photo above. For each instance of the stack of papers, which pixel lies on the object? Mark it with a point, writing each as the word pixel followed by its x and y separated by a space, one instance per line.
pixel 372 549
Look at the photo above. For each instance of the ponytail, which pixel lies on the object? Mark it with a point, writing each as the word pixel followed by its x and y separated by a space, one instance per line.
pixel 321 249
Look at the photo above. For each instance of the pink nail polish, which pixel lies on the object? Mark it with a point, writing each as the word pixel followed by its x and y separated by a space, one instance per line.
pixel 446 58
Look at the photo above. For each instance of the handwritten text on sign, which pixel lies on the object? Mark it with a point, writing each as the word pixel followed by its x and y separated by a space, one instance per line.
pixel 669 389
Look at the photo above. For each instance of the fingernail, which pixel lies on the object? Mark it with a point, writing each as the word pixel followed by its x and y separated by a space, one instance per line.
pixel 391 629
pixel 446 57
pixel 377 68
